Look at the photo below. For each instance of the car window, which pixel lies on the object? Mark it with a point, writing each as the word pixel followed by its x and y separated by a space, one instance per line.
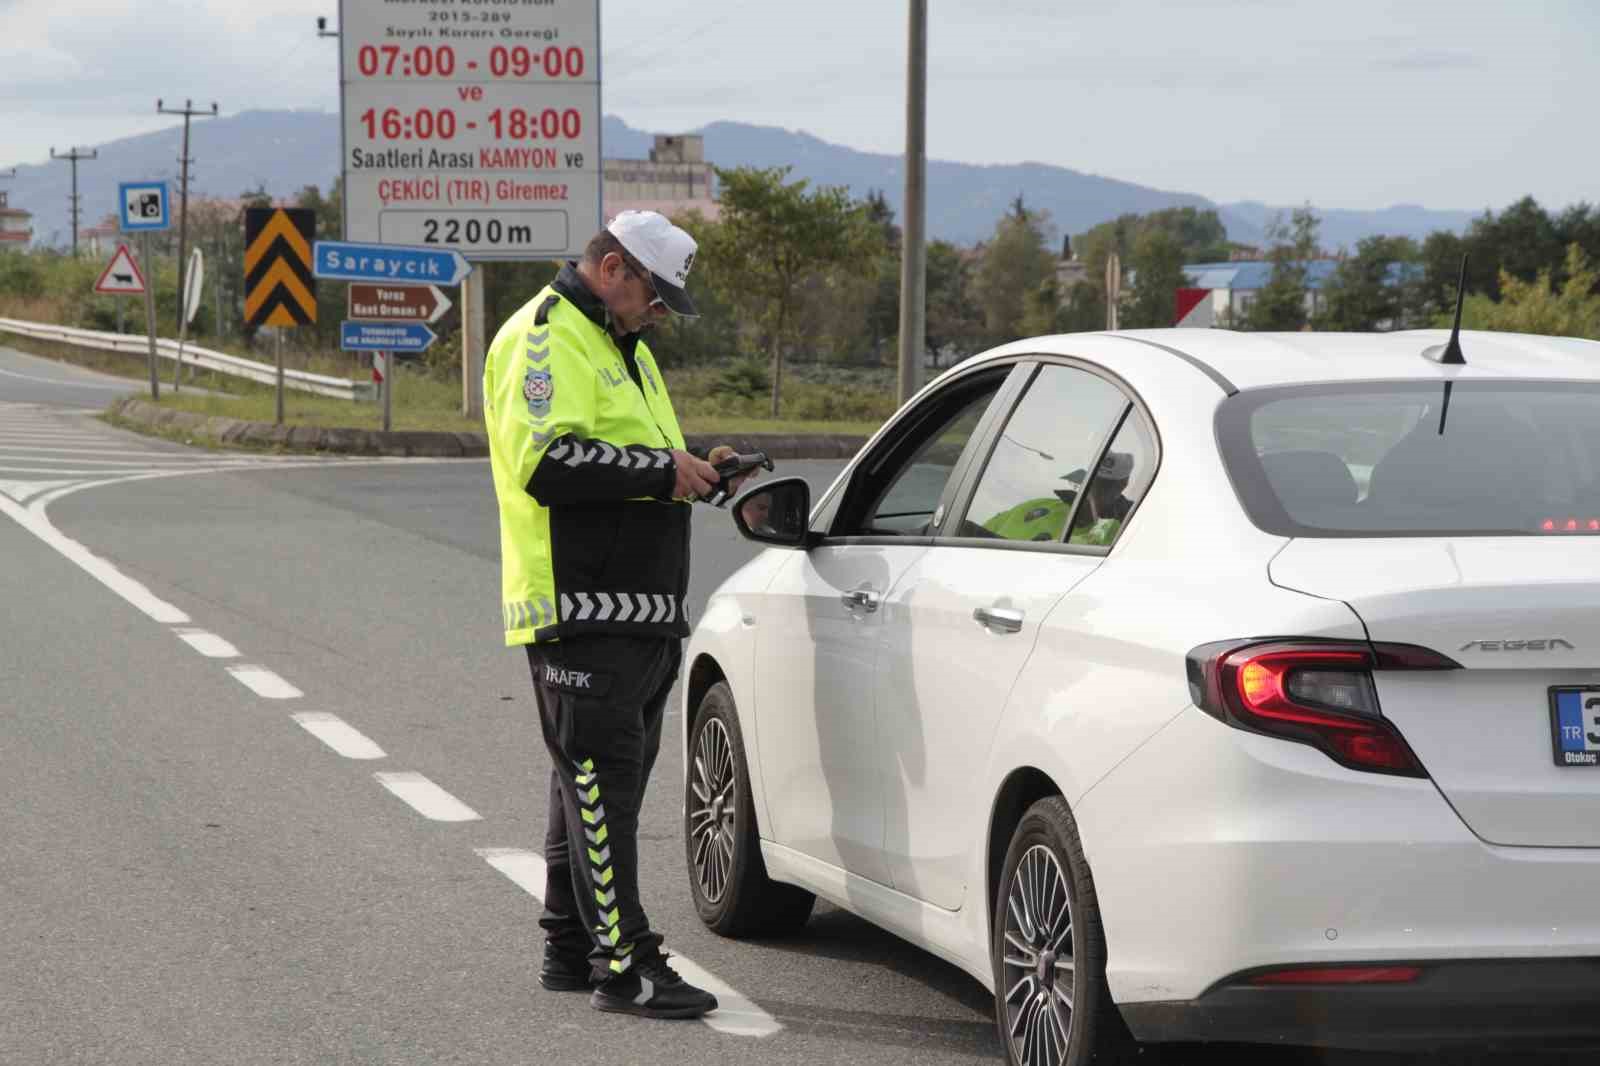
pixel 1119 482
pixel 1026 491
pixel 898 493
pixel 1384 459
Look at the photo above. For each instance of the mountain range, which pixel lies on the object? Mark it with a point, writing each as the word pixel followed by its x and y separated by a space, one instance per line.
pixel 283 151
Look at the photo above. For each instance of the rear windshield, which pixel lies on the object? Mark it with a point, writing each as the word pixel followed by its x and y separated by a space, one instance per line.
pixel 1387 459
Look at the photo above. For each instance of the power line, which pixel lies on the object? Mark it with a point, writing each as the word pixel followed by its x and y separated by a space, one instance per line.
pixel 73 156
pixel 187 111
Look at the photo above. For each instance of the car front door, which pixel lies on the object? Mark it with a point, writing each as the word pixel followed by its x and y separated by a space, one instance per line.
pixel 963 618
pixel 817 631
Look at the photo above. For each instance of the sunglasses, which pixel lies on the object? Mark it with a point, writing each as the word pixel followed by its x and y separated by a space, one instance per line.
pixel 656 304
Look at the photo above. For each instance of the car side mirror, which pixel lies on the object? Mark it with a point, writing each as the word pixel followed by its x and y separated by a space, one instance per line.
pixel 775 512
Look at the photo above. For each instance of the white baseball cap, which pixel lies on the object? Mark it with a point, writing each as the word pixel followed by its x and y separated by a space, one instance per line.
pixel 661 248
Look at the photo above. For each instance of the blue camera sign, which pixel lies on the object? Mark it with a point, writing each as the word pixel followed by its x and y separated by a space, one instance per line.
pixel 144 205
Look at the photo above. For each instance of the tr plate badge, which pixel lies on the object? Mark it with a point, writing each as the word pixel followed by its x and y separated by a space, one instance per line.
pixel 538 389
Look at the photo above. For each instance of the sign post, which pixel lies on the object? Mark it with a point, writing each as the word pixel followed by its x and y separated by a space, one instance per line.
pixel 143 206
pixel 150 317
pixel 399 267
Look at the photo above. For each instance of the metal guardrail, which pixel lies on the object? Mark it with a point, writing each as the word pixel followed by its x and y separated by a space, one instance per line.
pixel 201 358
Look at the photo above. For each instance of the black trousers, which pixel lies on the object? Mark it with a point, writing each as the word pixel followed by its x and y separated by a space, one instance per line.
pixel 601 700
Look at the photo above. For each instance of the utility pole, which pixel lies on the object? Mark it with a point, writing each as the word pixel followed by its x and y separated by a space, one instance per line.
pixel 188 112
pixel 913 251
pixel 73 156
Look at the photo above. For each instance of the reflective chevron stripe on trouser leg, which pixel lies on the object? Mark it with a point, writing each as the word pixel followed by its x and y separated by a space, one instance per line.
pixel 593 812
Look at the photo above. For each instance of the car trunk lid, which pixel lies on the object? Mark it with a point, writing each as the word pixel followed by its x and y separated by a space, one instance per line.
pixel 1507 738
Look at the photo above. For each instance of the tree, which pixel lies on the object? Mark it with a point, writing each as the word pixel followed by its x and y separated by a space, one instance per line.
pixel 1568 309
pixel 1379 287
pixel 1157 262
pixel 1016 262
pixel 1281 303
pixel 955 319
pixel 771 237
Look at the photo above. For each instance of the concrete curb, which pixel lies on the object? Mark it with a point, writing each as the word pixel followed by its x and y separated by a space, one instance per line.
pixel 430 444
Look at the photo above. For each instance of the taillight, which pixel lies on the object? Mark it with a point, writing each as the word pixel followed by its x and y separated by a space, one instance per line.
pixel 1315 692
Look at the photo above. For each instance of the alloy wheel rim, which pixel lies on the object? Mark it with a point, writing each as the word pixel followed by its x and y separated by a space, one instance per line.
pixel 712 810
pixel 1037 964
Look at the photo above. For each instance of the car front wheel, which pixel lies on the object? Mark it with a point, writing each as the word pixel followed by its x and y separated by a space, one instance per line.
pixel 727 876
pixel 1049 951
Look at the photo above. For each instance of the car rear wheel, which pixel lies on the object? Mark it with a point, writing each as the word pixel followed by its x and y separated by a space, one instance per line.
pixel 1049 951
pixel 727 876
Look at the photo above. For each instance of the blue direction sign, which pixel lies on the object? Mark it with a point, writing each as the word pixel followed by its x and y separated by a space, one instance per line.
pixel 142 205
pixel 347 261
pixel 385 337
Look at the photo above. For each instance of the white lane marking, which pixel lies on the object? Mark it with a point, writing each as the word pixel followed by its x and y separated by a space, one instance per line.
pixel 128 386
pixel 36 456
pixel 108 448
pixel 339 735
pixel 208 644
pixel 264 683
pixel 22 491
pixel 32 519
pixel 427 798
pixel 735 1015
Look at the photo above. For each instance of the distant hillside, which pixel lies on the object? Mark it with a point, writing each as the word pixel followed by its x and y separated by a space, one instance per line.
pixel 286 150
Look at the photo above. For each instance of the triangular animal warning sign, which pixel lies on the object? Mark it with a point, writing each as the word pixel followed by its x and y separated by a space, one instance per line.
pixel 121 276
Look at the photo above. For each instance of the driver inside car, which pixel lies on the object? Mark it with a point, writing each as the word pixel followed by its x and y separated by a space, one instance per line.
pixel 1044 519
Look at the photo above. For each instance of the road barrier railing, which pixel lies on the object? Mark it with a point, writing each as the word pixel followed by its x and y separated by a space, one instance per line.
pixel 200 358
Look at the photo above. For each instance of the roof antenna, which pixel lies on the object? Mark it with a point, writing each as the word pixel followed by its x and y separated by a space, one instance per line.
pixel 1450 354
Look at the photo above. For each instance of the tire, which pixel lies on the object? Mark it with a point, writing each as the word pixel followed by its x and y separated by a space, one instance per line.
pixel 722 851
pixel 1044 1021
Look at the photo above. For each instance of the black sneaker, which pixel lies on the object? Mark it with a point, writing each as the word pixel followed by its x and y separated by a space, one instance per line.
pixel 651 989
pixel 564 971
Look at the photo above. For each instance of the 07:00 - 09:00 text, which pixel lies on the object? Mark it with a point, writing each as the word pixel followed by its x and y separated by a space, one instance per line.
pixel 515 61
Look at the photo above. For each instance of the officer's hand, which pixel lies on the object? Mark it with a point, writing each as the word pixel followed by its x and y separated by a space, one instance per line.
pixel 695 477
pixel 721 452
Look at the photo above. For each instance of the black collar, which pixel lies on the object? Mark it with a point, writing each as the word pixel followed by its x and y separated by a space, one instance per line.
pixel 572 288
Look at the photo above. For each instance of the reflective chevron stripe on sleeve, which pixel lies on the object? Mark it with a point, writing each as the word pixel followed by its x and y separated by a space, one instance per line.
pixel 526 613
pixel 637 607
pixel 593 812
pixel 632 457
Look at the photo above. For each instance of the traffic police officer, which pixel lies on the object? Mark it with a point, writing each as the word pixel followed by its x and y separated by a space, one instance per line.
pixel 594 483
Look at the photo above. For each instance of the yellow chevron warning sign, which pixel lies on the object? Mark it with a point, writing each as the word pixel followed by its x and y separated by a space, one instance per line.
pixel 278 287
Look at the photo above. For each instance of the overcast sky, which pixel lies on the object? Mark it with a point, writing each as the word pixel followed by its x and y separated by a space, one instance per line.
pixel 1345 103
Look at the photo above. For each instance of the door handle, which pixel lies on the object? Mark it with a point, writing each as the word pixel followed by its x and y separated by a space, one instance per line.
pixel 1004 619
pixel 864 598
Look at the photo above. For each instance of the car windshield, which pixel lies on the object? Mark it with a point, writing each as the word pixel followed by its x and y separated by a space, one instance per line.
pixel 1385 459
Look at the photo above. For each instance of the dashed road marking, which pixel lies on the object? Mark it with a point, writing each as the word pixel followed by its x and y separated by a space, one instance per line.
pixel 427 798
pixel 264 683
pixel 735 1015
pixel 339 735
pixel 208 644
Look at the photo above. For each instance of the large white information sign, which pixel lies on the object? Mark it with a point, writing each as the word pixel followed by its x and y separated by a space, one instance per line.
pixel 472 124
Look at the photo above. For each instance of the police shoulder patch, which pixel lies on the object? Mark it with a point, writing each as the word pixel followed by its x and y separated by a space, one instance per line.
pixel 538 389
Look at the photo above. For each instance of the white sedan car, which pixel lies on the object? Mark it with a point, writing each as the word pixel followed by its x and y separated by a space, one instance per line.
pixel 1186 685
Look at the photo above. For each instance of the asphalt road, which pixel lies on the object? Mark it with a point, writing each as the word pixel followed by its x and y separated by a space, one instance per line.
pixel 204 864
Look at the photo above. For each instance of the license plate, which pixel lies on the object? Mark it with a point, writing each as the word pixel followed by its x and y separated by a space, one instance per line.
pixel 1575 724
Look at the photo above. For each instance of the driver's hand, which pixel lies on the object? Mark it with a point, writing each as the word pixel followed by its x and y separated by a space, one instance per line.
pixel 721 452
pixel 695 477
